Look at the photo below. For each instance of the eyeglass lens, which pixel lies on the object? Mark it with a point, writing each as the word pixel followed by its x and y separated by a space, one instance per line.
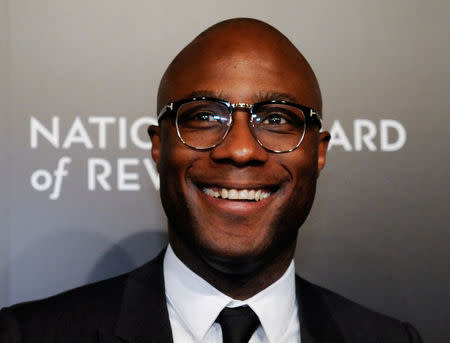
pixel 203 124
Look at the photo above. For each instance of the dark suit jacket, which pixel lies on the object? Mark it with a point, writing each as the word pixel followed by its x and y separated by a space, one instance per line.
pixel 132 308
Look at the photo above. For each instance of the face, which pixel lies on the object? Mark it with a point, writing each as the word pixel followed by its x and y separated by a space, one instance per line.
pixel 229 232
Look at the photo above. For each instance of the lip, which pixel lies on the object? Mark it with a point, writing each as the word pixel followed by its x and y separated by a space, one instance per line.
pixel 238 186
pixel 236 207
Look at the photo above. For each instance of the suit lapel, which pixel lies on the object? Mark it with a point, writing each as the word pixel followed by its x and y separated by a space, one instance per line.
pixel 144 318
pixel 317 324
pixel 143 315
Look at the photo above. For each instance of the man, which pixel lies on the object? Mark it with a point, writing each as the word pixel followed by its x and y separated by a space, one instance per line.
pixel 239 150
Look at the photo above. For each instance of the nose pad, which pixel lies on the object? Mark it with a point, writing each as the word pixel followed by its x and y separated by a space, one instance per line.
pixel 239 145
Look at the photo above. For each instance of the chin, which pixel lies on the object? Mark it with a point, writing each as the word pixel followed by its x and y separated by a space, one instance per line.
pixel 237 264
pixel 242 255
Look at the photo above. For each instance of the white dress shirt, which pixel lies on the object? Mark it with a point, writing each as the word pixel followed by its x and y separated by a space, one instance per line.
pixel 194 305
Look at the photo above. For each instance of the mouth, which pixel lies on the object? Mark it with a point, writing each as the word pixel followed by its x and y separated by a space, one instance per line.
pixel 238 199
pixel 249 194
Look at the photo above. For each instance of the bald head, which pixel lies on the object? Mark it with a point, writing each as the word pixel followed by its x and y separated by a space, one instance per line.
pixel 246 50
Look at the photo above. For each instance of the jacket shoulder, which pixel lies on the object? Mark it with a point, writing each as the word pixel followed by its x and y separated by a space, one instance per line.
pixel 79 315
pixel 82 310
pixel 355 322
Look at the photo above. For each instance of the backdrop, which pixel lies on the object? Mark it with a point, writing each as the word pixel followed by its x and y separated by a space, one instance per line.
pixel 79 198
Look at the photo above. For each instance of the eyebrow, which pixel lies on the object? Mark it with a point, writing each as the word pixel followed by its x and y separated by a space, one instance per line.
pixel 272 95
pixel 260 97
pixel 207 93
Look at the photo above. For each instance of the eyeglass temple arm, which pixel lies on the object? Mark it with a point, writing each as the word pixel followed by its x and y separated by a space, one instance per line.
pixel 168 107
pixel 313 113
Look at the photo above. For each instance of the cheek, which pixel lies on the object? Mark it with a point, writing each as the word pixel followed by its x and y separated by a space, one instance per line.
pixel 174 154
pixel 302 165
pixel 172 165
pixel 307 157
pixel 176 159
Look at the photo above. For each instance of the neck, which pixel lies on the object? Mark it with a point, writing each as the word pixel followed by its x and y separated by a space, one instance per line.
pixel 242 285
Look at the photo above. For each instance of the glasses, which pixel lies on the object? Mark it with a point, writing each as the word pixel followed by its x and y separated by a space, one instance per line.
pixel 278 126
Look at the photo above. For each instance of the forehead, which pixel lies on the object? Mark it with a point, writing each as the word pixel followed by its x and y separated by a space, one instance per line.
pixel 240 63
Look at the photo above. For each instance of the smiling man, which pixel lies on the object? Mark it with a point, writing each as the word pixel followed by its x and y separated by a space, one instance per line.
pixel 239 149
pixel 239 152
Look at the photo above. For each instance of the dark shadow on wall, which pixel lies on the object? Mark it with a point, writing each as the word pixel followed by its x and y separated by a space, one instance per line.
pixel 68 259
pixel 128 254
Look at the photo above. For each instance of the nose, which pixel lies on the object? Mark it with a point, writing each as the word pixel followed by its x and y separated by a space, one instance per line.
pixel 240 146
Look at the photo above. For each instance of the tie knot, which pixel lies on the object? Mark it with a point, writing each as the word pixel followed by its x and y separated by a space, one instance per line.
pixel 238 324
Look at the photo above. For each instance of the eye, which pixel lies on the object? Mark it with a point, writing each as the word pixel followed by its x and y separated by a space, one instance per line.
pixel 275 119
pixel 204 116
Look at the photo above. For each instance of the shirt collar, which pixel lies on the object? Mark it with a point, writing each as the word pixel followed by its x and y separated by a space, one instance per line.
pixel 274 305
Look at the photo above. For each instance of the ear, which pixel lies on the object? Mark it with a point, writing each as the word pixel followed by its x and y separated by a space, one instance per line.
pixel 324 139
pixel 155 136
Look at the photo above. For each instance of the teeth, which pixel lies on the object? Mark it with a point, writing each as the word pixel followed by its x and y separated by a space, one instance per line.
pixel 224 193
pixel 234 194
pixel 243 194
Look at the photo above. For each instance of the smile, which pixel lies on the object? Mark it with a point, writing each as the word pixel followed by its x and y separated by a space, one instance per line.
pixel 237 194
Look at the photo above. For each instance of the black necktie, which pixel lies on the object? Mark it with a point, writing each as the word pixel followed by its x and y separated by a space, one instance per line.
pixel 238 324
